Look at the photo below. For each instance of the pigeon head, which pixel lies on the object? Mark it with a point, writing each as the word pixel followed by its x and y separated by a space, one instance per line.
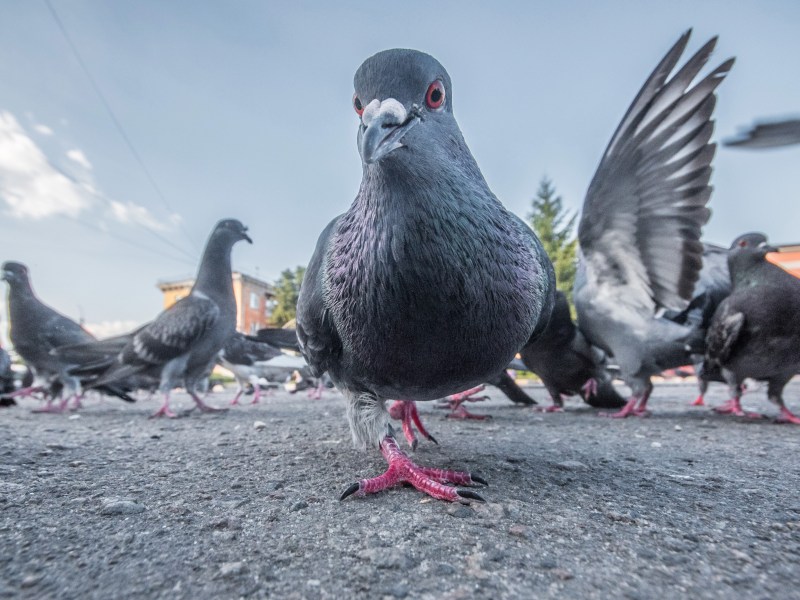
pixel 404 100
pixel 230 230
pixel 748 249
pixel 14 273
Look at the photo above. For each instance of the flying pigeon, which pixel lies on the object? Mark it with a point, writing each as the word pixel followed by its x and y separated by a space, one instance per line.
pixel 35 330
pixel 427 285
pixel 639 232
pixel 755 331
pixel 767 134
pixel 181 345
pixel 568 365
pixel 250 361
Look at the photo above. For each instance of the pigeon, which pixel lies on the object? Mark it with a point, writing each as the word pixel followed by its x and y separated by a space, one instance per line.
pixel 427 285
pixel 712 288
pixel 755 331
pixel 6 378
pixel 36 329
pixel 181 345
pixel 639 232
pixel 767 134
pixel 568 365
pixel 250 360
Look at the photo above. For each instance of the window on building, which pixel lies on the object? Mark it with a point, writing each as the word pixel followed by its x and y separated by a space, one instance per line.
pixel 253 300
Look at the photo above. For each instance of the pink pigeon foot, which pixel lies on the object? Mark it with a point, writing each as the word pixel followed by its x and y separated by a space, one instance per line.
pixel 25 392
pixel 203 407
pixel 405 411
pixel 315 393
pixel 456 401
pixel 50 407
pixel 787 417
pixel 589 388
pixel 235 400
pixel 426 480
pixel 699 401
pixel 256 395
pixel 553 408
pixel 164 411
pixel 734 407
pixel 630 409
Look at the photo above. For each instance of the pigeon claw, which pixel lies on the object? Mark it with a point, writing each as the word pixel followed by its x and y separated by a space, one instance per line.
pixel 469 495
pixel 699 401
pixel 352 489
pixel 734 407
pixel 787 417
pixel 430 481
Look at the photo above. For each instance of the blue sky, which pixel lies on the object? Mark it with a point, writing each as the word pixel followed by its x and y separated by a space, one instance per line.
pixel 243 109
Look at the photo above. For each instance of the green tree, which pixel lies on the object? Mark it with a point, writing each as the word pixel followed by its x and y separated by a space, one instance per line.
pixel 287 291
pixel 555 226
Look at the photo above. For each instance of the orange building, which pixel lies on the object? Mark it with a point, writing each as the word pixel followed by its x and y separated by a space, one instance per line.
pixel 788 258
pixel 254 299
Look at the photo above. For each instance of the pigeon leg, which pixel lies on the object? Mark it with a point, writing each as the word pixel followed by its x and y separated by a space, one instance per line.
pixel 50 407
pixel 256 394
pixel 76 402
pixel 734 407
pixel 203 406
pixel 316 392
pixel 24 392
pixel 787 416
pixel 239 392
pixel 456 401
pixel 164 411
pixel 426 480
pixel 589 388
pixel 558 401
pixel 406 412
pixel 636 406
pixel 699 401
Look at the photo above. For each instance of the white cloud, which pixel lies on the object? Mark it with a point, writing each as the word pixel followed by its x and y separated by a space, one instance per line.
pixel 77 155
pixel 134 213
pixel 32 187
pixel 105 329
pixel 29 185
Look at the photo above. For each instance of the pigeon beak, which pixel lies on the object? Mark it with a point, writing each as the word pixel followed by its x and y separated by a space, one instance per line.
pixel 383 125
pixel 247 238
pixel 766 248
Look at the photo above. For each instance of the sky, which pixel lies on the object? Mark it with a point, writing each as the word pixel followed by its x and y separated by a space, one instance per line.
pixel 195 111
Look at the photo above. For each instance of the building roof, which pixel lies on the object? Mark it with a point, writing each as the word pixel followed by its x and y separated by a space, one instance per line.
pixel 184 282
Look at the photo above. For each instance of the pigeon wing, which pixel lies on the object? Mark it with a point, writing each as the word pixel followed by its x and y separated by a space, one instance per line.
pixel 319 341
pixel 644 209
pixel 173 333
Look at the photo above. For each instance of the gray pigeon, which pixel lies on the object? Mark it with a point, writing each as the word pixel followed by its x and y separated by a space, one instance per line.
pixel 427 285
pixel 568 365
pixel 182 343
pixel 767 134
pixel 250 361
pixel 639 232
pixel 6 378
pixel 712 288
pixel 36 330
pixel 755 331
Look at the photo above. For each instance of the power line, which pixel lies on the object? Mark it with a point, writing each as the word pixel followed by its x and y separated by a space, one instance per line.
pixel 120 129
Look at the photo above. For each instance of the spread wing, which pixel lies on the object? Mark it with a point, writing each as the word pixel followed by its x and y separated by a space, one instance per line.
pixel 643 212
pixel 319 340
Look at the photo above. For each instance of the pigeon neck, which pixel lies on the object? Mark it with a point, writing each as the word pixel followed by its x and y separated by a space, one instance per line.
pixel 214 275
pixel 21 289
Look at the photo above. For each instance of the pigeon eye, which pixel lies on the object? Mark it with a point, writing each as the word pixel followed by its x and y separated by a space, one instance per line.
pixel 357 105
pixel 743 244
pixel 434 98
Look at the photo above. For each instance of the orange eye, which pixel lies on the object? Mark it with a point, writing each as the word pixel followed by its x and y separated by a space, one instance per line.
pixel 357 105
pixel 434 98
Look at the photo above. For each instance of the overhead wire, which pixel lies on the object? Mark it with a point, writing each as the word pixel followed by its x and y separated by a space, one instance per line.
pixel 112 115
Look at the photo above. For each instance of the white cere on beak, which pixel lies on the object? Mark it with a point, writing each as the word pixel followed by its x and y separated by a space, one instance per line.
pixel 390 106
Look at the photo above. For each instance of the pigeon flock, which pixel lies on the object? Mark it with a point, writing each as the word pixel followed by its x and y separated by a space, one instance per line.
pixel 428 288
